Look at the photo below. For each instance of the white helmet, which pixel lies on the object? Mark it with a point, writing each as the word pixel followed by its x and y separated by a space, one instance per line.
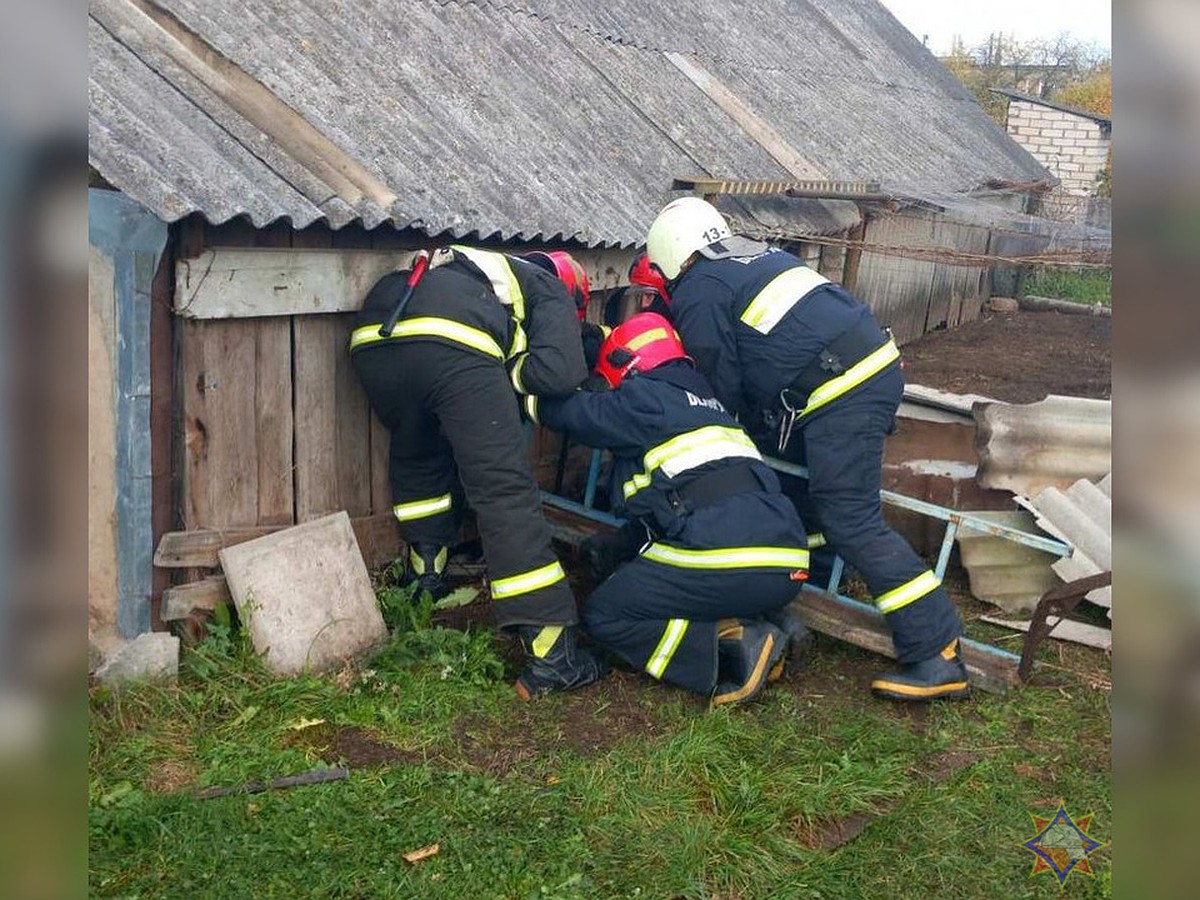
pixel 680 229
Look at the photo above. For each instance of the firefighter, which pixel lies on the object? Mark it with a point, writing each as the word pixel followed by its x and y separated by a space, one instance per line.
pixel 646 292
pixel 480 325
pixel 804 365
pixel 713 545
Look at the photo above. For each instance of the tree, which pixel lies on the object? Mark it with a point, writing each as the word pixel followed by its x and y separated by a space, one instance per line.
pixel 1092 93
pixel 1040 67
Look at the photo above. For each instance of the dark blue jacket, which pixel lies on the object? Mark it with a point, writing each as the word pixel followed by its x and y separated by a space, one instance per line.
pixel 665 430
pixel 747 367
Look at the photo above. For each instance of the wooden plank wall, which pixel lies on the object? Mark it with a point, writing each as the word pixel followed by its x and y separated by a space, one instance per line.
pixel 915 296
pixel 275 427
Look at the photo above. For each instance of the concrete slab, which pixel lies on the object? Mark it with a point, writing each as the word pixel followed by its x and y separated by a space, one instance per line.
pixel 152 655
pixel 305 595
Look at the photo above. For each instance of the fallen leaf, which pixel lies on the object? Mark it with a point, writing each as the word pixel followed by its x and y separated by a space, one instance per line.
pixel 552 779
pixel 461 597
pixel 415 856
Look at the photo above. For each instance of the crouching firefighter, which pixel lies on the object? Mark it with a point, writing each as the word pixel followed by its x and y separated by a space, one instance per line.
pixel 475 328
pixel 816 381
pixel 714 551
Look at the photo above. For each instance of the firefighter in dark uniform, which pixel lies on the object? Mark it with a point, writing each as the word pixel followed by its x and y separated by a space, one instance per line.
pixel 785 346
pixel 480 325
pixel 714 545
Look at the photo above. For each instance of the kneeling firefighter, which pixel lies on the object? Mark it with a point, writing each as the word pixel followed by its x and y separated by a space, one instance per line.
pixel 475 328
pixel 713 549
pixel 814 378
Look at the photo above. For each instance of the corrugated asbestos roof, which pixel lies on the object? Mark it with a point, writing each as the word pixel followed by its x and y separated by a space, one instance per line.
pixel 543 120
pixel 1005 573
pixel 1082 516
pixel 1024 448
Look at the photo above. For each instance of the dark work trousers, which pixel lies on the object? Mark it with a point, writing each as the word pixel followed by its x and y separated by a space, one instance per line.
pixel 662 619
pixel 453 418
pixel 842 446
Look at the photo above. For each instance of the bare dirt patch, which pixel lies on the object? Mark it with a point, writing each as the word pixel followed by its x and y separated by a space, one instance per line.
pixel 354 746
pixel 1019 358
pixel 169 776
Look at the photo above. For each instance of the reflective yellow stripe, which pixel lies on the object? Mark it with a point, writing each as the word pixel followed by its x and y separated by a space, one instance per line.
pixel 729 557
pixel 418 564
pixel 430 326
pixel 908 592
pixel 520 341
pixel 545 640
pixel 526 582
pixel 420 509
pixel 815 540
pixel 515 373
pixel 783 292
pixel 666 648
pixel 531 405
pixel 646 337
pixel 691 449
pixel 870 365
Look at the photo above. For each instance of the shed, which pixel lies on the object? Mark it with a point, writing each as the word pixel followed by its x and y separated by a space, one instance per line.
pixel 255 166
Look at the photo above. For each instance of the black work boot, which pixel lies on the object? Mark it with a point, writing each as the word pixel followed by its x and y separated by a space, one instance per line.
pixel 940 677
pixel 798 640
pixel 554 661
pixel 426 567
pixel 746 654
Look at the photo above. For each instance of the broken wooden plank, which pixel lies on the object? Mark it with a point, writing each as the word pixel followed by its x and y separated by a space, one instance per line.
pixel 378 541
pixel 857 623
pixel 1063 630
pixel 180 601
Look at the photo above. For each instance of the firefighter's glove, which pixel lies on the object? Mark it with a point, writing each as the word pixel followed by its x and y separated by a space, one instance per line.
pixel 592 337
pixel 595 383
pixel 608 551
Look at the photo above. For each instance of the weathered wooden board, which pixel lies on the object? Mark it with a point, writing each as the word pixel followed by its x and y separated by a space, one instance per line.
pixel 220 429
pixel 236 282
pixel 857 623
pixel 378 540
pixel 273 409
pixel 241 282
pixel 333 456
pixel 180 601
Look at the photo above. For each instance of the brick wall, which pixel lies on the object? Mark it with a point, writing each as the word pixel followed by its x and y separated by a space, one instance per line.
pixel 1073 148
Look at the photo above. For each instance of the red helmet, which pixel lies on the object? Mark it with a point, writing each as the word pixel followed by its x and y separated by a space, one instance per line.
pixel 642 274
pixel 563 266
pixel 641 343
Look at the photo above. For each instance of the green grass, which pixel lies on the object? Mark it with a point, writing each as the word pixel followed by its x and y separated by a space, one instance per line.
pixel 1077 285
pixel 626 790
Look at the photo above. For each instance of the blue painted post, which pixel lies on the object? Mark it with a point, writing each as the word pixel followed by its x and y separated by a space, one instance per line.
pixel 134 239
pixel 593 477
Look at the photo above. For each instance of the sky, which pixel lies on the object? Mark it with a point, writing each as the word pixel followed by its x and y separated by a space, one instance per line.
pixel 974 20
